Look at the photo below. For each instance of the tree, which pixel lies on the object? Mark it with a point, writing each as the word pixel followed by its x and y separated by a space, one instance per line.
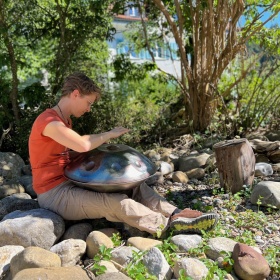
pixel 57 35
pixel 209 37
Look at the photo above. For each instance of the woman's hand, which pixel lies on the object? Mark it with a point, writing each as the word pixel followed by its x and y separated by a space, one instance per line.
pixel 118 131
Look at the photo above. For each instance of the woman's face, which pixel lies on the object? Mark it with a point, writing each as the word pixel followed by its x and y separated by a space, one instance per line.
pixel 83 104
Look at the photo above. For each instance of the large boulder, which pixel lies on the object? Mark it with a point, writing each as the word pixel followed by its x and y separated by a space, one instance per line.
pixel 36 227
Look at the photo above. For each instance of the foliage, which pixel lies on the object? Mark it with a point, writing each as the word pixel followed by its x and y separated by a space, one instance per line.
pixel 254 101
pixel 104 253
pixel 272 255
pixel 208 38
pixel 136 269
pixel 138 104
pixel 169 250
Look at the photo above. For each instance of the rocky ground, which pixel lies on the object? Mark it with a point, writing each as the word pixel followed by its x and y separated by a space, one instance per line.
pixel 239 219
pixel 238 216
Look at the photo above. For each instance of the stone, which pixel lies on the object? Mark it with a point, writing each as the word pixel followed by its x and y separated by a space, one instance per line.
pixel 112 276
pixel 34 257
pixel 18 201
pixel 157 265
pixel 143 244
pixel 10 165
pixel 42 228
pixel 10 188
pixel 267 193
pixel 94 240
pixel 166 168
pixel 185 242
pixel 263 169
pixel 123 255
pixel 54 273
pixel 6 254
pixel 249 264
pixel 78 231
pixel 217 245
pixel 180 177
pixel 70 251
pixel 196 173
pixel 193 268
pixel 190 162
pixel 26 181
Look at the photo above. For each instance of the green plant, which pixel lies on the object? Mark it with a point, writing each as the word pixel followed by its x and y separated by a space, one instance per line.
pixel 214 271
pixel 227 261
pixel 104 253
pixel 136 269
pixel 116 239
pixel 259 202
pixel 272 255
pixel 183 275
pixel 169 251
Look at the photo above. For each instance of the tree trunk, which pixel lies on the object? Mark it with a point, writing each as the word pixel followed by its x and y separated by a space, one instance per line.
pixel 236 164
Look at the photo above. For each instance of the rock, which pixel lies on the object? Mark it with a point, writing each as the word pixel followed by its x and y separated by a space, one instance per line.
pixel 112 276
pixel 217 245
pixel 26 182
pixel 10 188
pixel 249 264
pixel 196 173
pixel 180 177
pixel 193 268
pixel 6 254
pixel 123 255
pixel 190 162
pixel 77 231
pixel 109 231
pixel 263 169
pixel 110 267
pixel 166 168
pixel 54 273
pixel 18 201
pixel 157 265
pixel 70 251
pixel 143 244
pixel 185 242
pixel 273 135
pixel 42 228
pixel 10 165
pixel 155 178
pixel 261 158
pixel 34 257
pixel 274 156
pixel 152 155
pixel 267 193
pixel 94 240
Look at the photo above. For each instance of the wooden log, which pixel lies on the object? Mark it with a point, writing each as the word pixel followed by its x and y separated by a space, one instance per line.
pixel 236 164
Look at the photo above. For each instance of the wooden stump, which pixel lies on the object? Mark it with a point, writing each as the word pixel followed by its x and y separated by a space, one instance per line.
pixel 236 164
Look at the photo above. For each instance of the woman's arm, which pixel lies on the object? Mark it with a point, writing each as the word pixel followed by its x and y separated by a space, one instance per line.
pixel 72 140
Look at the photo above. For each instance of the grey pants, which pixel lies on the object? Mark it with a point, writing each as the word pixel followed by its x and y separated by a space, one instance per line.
pixel 143 209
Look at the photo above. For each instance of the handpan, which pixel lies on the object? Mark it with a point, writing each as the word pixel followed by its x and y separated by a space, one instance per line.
pixel 110 168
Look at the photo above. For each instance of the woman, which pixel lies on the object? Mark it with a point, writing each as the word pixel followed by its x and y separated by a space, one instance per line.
pixel 50 141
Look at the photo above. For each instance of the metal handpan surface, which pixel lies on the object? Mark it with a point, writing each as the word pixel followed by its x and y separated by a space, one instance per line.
pixel 110 168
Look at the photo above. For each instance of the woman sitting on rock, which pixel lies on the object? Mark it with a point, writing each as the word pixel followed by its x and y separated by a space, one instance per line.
pixel 50 142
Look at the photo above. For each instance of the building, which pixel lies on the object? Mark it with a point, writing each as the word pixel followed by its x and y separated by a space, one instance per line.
pixel 166 57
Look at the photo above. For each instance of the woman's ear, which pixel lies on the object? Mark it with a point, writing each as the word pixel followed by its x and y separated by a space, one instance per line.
pixel 76 93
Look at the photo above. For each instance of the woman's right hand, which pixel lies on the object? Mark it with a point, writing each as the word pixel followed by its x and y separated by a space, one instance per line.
pixel 118 131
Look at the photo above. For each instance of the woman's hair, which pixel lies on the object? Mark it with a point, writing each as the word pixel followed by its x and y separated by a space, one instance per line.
pixel 82 83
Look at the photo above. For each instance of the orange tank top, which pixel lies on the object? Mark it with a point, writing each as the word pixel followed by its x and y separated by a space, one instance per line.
pixel 47 157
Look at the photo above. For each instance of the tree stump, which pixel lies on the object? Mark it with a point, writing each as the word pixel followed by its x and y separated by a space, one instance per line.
pixel 236 164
